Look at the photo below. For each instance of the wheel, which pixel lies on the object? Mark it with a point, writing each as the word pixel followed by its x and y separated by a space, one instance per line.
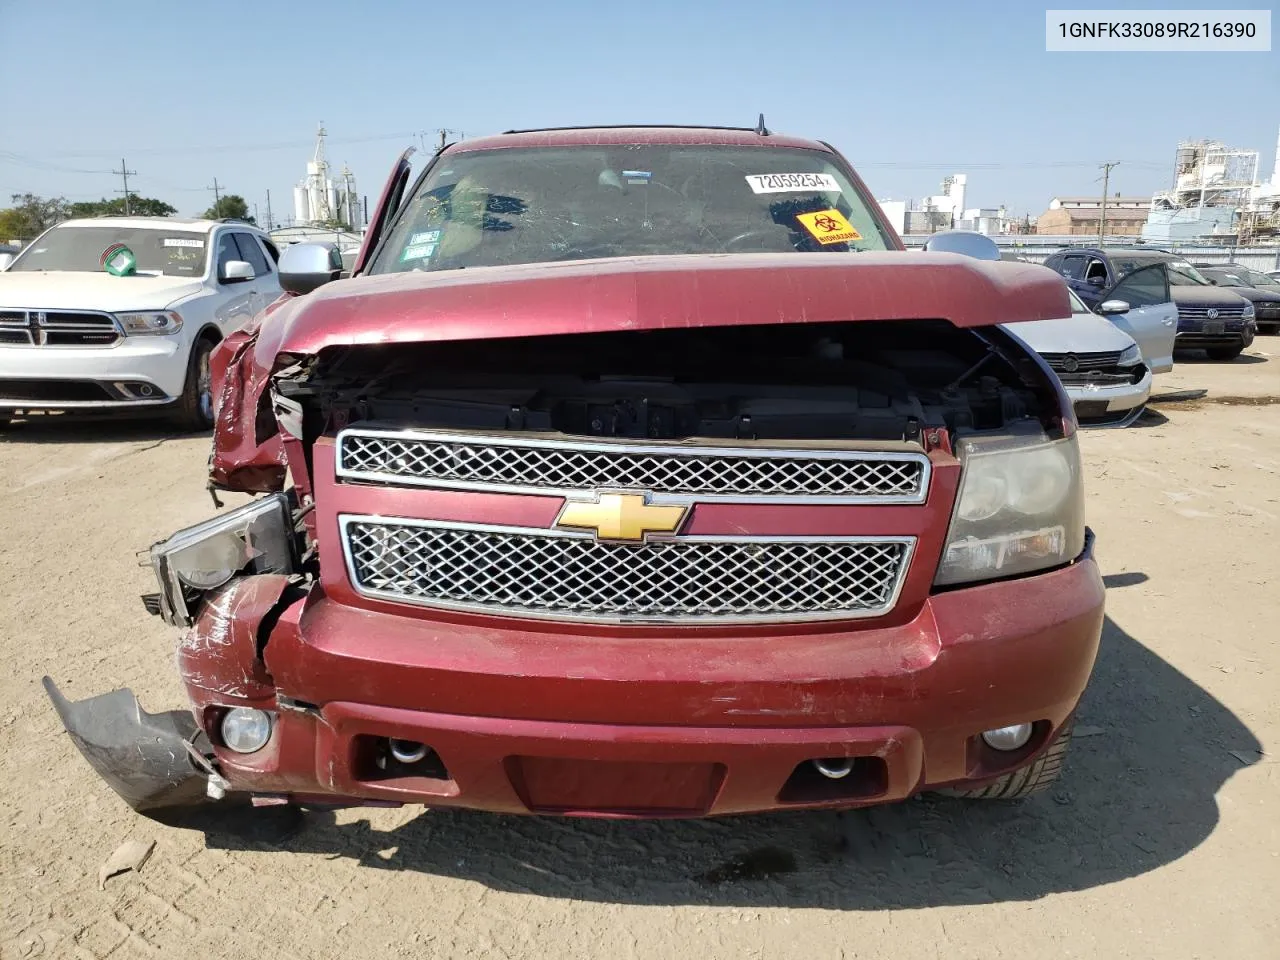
pixel 1034 778
pixel 195 408
pixel 1224 353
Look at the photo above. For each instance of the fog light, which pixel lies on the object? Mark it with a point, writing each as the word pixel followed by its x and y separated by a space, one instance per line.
pixel 1008 738
pixel 246 730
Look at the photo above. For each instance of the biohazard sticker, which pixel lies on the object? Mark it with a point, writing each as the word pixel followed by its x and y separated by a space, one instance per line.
pixel 828 226
pixel 792 183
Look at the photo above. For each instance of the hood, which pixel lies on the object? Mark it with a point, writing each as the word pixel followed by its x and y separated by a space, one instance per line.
pixel 1205 296
pixel 77 290
pixel 645 293
pixel 1254 294
pixel 1078 333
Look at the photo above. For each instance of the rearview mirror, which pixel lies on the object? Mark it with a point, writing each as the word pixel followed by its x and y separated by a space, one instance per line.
pixel 306 266
pixel 1096 281
pixel 1113 306
pixel 237 271
pixel 5 260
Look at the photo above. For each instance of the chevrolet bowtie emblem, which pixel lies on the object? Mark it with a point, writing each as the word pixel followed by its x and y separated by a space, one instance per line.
pixel 621 516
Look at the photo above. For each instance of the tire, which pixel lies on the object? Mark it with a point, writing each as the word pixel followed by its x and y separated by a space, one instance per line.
pixel 195 408
pixel 1035 777
pixel 1224 353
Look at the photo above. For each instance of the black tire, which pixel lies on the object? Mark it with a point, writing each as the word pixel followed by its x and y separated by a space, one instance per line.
pixel 1035 777
pixel 195 408
pixel 1224 353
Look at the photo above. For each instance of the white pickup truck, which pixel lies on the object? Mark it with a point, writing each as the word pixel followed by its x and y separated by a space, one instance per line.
pixel 84 328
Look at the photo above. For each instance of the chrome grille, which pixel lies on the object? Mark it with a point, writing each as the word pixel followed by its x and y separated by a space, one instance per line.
pixel 57 328
pixel 1101 360
pixel 559 574
pixel 523 465
pixel 1202 313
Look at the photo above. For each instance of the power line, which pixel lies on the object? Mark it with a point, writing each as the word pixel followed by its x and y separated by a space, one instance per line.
pixel 125 173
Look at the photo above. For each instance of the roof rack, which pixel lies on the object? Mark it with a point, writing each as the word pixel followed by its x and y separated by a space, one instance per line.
pixel 646 126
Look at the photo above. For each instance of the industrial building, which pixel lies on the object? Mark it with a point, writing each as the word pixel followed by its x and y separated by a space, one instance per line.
pixel 320 200
pixel 1082 216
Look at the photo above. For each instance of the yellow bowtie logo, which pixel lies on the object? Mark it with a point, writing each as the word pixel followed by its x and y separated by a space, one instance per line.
pixel 621 516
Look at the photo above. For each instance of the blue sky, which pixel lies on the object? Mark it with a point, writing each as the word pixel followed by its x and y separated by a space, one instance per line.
pixel 909 91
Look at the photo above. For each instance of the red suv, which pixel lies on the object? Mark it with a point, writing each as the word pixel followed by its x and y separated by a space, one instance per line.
pixel 634 472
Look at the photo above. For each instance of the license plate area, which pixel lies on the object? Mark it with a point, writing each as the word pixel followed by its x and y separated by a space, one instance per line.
pixel 1214 327
pixel 615 787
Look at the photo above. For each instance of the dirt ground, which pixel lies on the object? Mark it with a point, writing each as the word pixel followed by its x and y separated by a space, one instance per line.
pixel 1162 839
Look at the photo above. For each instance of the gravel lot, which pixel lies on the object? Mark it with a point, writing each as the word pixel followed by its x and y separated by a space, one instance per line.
pixel 1162 840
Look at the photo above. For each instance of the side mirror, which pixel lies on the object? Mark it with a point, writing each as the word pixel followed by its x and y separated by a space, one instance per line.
pixel 237 271
pixel 967 243
pixel 1096 281
pixel 5 260
pixel 306 266
pixel 1112 307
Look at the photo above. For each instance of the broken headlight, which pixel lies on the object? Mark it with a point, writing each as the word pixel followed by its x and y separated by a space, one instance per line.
pixel 255 538
pixel 1020 508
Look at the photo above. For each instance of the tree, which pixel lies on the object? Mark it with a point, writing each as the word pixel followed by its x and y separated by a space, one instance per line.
pixel 231 206
pixel 138 207
pixel 31 215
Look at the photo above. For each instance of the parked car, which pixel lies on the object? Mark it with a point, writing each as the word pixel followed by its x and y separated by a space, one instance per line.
pixel 1099 365
pixel 635 472
pixel 8 251
pixel 1215 320
pixel 1256 287
pixel 120 314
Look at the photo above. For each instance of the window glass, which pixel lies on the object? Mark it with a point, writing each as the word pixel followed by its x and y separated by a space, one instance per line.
pixel 227 251
pixel 1073 267
pixel 1143 288
pixel 252 253
pixel 1096 270
pixel 536 205
pixel 174 253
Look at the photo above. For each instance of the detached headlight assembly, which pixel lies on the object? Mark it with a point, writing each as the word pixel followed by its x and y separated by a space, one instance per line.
pixel 150 323
pixel 255 538
pixel 1130 355
pixel 1020 509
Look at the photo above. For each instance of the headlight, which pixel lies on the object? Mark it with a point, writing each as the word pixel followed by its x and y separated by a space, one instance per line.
pixel 1020 508
pixel 150 323
pixel 257 537
pixel 1130 355
pixel 1249 312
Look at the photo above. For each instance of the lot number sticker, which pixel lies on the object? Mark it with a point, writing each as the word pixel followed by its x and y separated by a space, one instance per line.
pixel 182 242
pixel 791 182
pixel 828 226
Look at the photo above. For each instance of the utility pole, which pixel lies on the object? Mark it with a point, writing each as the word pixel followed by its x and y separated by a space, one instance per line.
pixel 217 197
pixel 1102 219
pixel 125 173
pixel 270 226
pixel 444 134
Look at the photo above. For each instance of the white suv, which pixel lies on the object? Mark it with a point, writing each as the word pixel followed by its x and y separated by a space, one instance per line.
pixel 84 328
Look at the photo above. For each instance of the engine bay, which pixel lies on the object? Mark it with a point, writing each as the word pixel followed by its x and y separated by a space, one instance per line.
pixel 875 381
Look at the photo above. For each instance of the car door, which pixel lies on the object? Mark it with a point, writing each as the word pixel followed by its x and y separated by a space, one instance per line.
pixel 1152 317
pixel 235 303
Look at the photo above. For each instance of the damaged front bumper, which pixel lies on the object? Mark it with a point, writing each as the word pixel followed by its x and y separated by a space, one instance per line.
pixel 151 759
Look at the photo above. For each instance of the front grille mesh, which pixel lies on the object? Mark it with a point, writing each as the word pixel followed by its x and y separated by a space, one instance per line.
pixel 1101 360
pixel 541 573
pixel 1202 313
pixel 57 328
pixel 558 465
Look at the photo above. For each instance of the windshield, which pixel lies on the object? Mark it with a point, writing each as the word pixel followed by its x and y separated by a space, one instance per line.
pixel 1077 305
pixel 174 253
pixel 1183 274
pixel 580 203
pixel 1234 276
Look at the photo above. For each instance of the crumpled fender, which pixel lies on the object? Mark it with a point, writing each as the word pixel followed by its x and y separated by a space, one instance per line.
pixel 142 756
pixel 247 454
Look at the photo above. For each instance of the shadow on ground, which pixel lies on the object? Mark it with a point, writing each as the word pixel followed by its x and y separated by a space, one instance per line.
pixel 1138 793
pixel 84 428
pixel 1199 356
